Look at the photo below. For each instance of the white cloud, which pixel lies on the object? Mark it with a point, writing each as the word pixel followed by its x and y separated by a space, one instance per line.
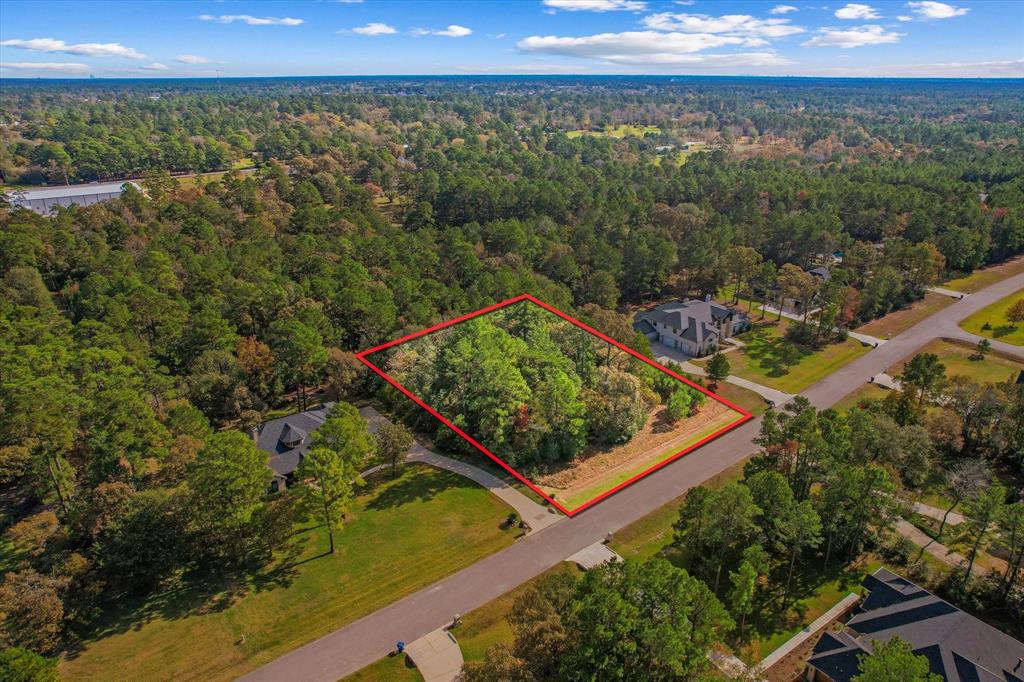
pixel 192 59
pixel 869 34
pixel 856 10
pixel 651 48
pixel 532 67
pixel 937 10
pixel 782 9
pixel 155 66
pixel 251 20
pixel 86 49
pixel 58 67
pixel 742 25
pixel 375 28
pixel 904 17
pixel 598 5
pixel 350 2
pixel 453 31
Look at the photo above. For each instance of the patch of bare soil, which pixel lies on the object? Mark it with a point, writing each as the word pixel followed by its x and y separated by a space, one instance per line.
pixel 647 446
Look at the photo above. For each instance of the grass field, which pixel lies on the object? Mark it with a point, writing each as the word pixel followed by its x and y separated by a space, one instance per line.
pixel 389 669
pixel 770 359
pixel 979 279
pixel 862 394
pixel 402 535
pixel 957 359
pixel 620 131
pixel 995 316
pixel 905 318
pixel 745 398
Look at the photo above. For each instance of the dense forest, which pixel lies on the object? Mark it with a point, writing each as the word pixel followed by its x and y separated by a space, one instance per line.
pixel 533 387
pixel 135 334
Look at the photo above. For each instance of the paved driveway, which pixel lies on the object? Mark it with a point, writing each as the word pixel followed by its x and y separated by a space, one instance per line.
pixel 664 354
pixel 358 644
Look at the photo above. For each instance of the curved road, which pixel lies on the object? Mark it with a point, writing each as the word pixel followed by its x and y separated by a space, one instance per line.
pixel 364 641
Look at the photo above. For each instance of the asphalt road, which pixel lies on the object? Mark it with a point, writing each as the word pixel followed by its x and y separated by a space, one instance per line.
pixel 364 641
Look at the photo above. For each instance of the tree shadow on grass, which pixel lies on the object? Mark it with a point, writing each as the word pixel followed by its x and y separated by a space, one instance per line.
pixel 418 486
pixel 768 618
pixel 193 593
pixel 775 354
pixel 1003 330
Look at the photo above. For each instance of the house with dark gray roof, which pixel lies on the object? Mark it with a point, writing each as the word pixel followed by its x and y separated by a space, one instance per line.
pixel 693 326
pixel 958 646
pixel 287 439
pixel 821 273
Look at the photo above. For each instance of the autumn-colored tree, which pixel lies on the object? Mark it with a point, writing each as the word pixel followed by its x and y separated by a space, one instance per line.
pixel 1015 314
pixel 31 612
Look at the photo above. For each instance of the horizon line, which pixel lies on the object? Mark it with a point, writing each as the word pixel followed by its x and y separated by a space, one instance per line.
pixel 89 78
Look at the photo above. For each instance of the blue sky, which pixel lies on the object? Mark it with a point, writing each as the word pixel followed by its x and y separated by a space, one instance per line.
pixel 331 37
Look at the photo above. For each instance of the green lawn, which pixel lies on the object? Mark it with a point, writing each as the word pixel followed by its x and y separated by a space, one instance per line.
pixel 620 132
pixel 388 669
pixel 402 535
pixel 773 361
pixel 861 395
pixel 995 316
pixel 745 398
pixel 957 359
pixel 979 279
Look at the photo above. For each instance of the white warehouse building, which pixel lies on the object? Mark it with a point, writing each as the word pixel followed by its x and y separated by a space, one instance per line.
pixel 45 199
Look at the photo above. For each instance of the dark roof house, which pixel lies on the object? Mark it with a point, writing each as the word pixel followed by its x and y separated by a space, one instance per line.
pixel 693 325
pixel 287 438
pixel 957 645
pixel 821 273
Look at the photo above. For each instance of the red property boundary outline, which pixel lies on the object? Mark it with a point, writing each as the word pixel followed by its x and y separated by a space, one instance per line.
pixel 362 356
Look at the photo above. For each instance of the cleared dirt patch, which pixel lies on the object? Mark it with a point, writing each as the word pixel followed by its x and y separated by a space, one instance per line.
pixel 644 450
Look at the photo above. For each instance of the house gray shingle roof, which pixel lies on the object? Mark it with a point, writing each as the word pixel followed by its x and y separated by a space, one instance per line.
pixel 821 272
pixel 957 645
pixel 287 438
pixel 696 319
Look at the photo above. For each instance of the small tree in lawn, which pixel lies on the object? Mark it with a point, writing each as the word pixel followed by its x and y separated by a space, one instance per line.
pixel 982 349
pixel 393 443
pixel 718 368
pixel 678 404
pixel 1015 315
pixel 894 661
pixel 327 476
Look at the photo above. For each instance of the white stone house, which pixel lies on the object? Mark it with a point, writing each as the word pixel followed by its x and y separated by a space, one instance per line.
pixel 695 327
